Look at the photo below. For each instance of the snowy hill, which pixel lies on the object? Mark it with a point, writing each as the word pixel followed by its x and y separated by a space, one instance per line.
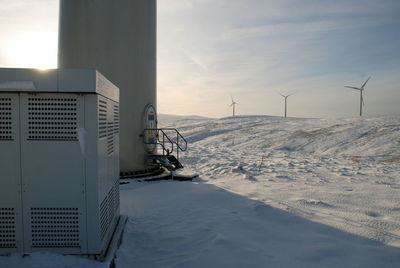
pixel 343 173
pixel 173 120
pixel 272 192
pixel 278 192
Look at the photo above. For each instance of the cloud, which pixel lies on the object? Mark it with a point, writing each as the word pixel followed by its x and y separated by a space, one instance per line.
pixel 255 48
pixel 210 49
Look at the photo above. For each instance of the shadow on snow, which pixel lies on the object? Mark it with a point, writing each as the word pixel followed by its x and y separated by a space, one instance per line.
pixel 175 224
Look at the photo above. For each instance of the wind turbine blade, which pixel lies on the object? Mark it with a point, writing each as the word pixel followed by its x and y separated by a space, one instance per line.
pixel 365 82
pixel 362 99
pixel 353 87
pixel 232 98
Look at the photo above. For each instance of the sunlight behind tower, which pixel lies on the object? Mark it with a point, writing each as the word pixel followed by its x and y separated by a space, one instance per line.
pixel 32 50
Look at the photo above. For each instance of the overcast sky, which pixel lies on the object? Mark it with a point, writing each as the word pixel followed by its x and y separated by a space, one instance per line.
pixel 252 49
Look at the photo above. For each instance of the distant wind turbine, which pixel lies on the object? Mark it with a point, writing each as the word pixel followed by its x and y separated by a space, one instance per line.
pixel 286 96
pixel 361 89
pixel 233 106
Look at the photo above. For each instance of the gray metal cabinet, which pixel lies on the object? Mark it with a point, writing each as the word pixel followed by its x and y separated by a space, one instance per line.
pixel 59 161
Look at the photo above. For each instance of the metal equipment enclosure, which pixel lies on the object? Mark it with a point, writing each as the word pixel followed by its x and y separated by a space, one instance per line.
pixel 59 161
pixel 118 38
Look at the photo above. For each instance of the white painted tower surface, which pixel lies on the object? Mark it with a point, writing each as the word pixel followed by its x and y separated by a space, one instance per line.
pixel 118 38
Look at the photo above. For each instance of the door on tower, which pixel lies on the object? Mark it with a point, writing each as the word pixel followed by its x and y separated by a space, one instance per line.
pixel 150 134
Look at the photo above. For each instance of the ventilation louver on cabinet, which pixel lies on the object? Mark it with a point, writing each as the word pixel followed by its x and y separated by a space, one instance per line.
pixel 7 228
pixel 116 119
pixel 6 132
pixel 113 203
pixel 110 138
pixel 108 124
pixel 102 119
pixel 103 218
pixel 52 119
pixel 55 227
pixel 108 209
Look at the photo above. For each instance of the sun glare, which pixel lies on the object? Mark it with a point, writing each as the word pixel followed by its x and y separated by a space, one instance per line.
pixel 32 50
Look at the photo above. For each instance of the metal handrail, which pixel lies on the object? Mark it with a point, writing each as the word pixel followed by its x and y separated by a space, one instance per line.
pixel 163 138
pixel 178 135
pixel 159 142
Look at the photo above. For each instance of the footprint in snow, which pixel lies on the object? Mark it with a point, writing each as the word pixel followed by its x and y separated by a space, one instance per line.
pixel 248 177
pixel 316 203
pixel 373 214
pixel 284 177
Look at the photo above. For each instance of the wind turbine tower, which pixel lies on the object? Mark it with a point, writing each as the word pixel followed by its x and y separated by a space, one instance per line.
pixel 117 38
pixel 361 89
pixel 285 97
pixel 233 106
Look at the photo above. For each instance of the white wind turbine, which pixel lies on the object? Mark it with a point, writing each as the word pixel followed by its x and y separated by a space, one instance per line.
pixel 285 97
pixel 361 89
pixel 233 106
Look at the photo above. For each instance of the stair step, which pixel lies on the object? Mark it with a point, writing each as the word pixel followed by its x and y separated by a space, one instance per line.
pixel 170 162
pixel 172 159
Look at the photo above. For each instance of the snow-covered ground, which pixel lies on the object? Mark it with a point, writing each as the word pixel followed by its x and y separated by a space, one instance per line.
pixel 343 173
pixel 272 192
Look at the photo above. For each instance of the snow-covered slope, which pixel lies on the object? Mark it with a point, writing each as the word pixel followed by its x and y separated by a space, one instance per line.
pixel 272 192
pixel 343 173
pixel 173 120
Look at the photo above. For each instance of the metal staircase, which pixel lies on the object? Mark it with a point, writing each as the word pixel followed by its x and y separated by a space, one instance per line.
pixel 171 143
